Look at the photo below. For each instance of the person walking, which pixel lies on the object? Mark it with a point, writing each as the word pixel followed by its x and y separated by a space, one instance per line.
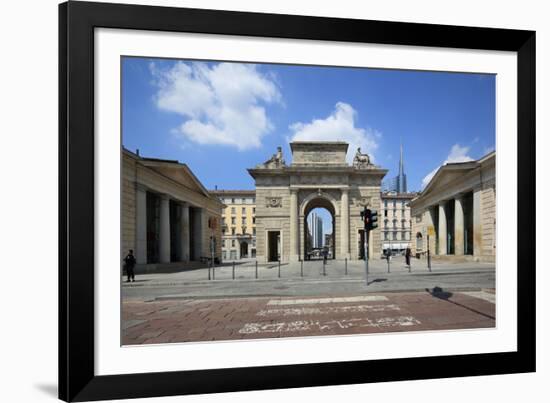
pixel 408 256
pixel 129 263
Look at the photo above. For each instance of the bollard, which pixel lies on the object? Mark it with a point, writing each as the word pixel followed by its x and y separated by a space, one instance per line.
pixel 213 272
pixel 410 268
pixel 209 268
pixel 346 266
pixel 256 269
pixel 388 259
pixel 301 268
pixel 324 270
pixel 279 273
pixel 233 270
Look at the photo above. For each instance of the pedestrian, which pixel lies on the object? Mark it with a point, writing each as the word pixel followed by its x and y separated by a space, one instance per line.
pixel 129 263
pixel 408 256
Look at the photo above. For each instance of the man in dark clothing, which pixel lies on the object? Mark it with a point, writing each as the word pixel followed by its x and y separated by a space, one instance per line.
pixel 408 256
pixel 129 263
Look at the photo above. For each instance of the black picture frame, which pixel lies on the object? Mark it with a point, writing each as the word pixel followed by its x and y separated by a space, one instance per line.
pixel 77 21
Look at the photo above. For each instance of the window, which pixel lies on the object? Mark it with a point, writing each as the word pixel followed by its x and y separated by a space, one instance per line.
pixel 243 221
pixel 233 220
pixel 254 242
pixel 232 243
pixel 223 220
pixel 404 223
pixel 253 220
pixel 394 224
pixel 224 255
pixel 233 231
pixel 385 203
pixel 254 232
pixel 253 200
pixel 394 202
pixel 233 210
pixel 243 211
pixel 253 210
pixel 385 223
pixel 385 213
pixel 385 236
pixel 233 201
pixel 395 235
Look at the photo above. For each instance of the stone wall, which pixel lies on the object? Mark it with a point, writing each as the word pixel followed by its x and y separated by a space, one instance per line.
pixel 128 206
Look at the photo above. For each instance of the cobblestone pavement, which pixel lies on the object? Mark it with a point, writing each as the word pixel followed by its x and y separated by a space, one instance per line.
pixel 192 320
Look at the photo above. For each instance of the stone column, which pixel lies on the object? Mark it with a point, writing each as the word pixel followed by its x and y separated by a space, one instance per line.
pixel 197 233
pixel 459 227
pixel 477 222
pixel 184 225
pixel 293 225
pixel 344 224
pixel 141 225
pixel 164 232
pixel 442 230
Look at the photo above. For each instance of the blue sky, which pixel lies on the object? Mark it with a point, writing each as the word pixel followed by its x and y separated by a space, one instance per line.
pixel 211 115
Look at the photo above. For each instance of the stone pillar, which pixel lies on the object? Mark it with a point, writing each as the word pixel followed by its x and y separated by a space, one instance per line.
pixel 184 225
pixel 164 231
pixel 344 224
pixel 197 233
pixel 141 225
pixel 459 227
pixel 477 222
pixel 442 230
pixel 294 225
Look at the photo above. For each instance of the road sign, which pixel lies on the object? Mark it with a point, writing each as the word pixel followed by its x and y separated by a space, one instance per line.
pixel 431 230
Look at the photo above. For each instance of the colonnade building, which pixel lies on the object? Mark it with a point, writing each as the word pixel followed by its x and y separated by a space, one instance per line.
pixel 168 218
pixel 458 208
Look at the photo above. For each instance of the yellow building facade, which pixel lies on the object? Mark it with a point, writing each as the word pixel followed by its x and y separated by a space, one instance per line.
pixel 238 223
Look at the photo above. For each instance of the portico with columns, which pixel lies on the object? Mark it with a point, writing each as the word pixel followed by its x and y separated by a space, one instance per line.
pixel 459 203
pixel 168 218
pixel 318 177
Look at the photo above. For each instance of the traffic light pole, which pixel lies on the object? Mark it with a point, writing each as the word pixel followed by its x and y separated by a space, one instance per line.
pixel 367 258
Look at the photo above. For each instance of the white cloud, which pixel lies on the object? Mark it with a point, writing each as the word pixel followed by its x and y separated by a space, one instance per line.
pixel 338 126
pixel 457 154
pixel 222 104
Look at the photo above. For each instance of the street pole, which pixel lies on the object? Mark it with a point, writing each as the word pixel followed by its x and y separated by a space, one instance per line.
pixel 301 268
pixel 279 272
pixel 388 259
pixel 233 270
pixel 256 269
pixel 367 256
pixel 346 266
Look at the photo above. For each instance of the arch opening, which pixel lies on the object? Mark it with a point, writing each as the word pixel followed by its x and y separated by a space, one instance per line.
pixel 319 229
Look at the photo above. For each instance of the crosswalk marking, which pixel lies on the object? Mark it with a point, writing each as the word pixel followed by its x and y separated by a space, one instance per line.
pixel 363 298
pixel 326 310
pixel 486 296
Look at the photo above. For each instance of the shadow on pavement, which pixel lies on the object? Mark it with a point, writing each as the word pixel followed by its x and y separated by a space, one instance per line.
pixel 377 280
pixel 438 292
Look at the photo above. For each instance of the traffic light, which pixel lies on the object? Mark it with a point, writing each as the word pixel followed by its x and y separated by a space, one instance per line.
pixel 370 218
pixel 365 218
pixel 373 219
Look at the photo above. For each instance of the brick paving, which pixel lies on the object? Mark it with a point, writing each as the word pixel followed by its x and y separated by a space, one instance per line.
pixel 192 320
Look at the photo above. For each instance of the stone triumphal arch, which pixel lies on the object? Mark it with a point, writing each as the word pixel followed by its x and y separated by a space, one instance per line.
pixel 318 176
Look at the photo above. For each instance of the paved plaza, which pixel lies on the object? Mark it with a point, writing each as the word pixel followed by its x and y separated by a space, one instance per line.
pixel 309 278
pixel 294 300
pixel 192 320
